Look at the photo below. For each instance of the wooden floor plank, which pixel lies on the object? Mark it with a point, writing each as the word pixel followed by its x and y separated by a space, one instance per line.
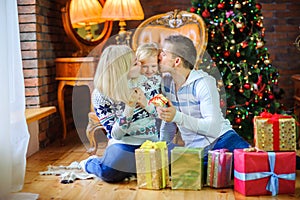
pixel 49 187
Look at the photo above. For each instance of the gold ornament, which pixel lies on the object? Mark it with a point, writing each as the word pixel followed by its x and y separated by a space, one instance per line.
pixel 237 5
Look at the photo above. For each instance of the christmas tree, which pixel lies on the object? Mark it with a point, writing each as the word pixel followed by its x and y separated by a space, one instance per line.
pixel 237 50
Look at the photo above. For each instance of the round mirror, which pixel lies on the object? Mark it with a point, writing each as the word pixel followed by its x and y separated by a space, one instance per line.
pixel 83 24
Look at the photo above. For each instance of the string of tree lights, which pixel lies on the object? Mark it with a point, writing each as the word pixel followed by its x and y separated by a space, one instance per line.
pixel 237 50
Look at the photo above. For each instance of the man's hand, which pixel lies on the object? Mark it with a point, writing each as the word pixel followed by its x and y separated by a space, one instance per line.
pixel 166 113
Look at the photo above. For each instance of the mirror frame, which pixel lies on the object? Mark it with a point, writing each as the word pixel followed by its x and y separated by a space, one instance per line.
pixel 84 46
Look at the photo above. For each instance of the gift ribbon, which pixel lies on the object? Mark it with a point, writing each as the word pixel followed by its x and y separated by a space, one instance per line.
pixel 147 146
pixel 274 119
pixel 222 164
pixel 273 183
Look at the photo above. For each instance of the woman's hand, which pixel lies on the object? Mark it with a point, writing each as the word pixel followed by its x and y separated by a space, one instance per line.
pixel 134 98
pixel 142 101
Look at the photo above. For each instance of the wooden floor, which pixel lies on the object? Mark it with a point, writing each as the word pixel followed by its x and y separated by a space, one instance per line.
pixel 49 187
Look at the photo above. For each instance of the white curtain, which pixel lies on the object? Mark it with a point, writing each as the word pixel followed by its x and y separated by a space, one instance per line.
pixel 14 134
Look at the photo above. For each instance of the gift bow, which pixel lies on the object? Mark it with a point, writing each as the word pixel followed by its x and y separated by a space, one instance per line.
pixel 274 119
pixel 162 146
pixel 273 183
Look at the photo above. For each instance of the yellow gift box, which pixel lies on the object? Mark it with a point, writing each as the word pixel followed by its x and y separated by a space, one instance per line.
pixel 152 165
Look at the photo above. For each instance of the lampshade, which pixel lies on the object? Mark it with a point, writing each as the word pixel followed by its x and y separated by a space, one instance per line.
pixel 85 12
pixel 122 10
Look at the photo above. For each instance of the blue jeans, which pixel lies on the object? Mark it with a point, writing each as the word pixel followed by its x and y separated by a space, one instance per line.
pixel 229 140
pixel 117 163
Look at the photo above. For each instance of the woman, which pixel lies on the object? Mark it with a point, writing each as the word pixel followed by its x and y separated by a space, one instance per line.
pixel 122 111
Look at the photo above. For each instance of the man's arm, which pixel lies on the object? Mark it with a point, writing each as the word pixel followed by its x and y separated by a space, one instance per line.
pixel 211 117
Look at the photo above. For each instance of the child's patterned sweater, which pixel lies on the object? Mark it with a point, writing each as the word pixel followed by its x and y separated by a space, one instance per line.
pixel 140 126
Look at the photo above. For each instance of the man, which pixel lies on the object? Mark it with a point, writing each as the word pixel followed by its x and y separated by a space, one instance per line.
pixel 194 105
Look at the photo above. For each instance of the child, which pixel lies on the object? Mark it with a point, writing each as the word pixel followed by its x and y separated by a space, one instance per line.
pixel 150 78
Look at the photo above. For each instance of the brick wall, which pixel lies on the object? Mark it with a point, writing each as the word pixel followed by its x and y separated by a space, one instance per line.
pixel 282 22
pixel 43 39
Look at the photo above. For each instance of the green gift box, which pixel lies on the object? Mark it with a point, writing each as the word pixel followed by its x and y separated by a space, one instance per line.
pixel 187 168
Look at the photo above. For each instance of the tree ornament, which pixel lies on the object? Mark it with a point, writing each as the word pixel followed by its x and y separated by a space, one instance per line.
pixel 271 96
pixel 263 32
pixel 205 13
pixel 221 5
pixel 193 9
pixel 259 23
pixel 259 44
pixel 267 61
pixel 237 5
pixel 241 90
pixel 226 53
pixel 238 120
pixel 238 54
pixel 244 44
pixel 239 25
pixel 220 83
pixel 222 103
pixel 212 34
pixel 229 13
pixel 247 86
pixel 258 6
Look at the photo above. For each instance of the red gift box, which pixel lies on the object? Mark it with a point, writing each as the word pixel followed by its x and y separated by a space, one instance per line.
pixel 219 168
pixel 264 173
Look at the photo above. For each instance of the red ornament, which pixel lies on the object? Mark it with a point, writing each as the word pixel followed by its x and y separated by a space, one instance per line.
pixel 271 96
pixel 247 103
pixel 221 5
pixel 258 6
pixel 247 86
pixel 192 9
pixel 263 32
pixel 241 90
pixel 244 44
pixel 238 54
pixel 238 120
pixel 222 103
pixel 226 53
pixel 205 13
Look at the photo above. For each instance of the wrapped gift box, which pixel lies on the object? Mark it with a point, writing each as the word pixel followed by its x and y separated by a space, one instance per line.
pixel 264 173
pixel 187 168
pixel 274 132
pixel 152 165
pixel 219 168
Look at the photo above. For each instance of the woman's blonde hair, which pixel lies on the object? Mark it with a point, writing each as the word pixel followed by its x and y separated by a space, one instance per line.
pixel 112 70
pixel 146 50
